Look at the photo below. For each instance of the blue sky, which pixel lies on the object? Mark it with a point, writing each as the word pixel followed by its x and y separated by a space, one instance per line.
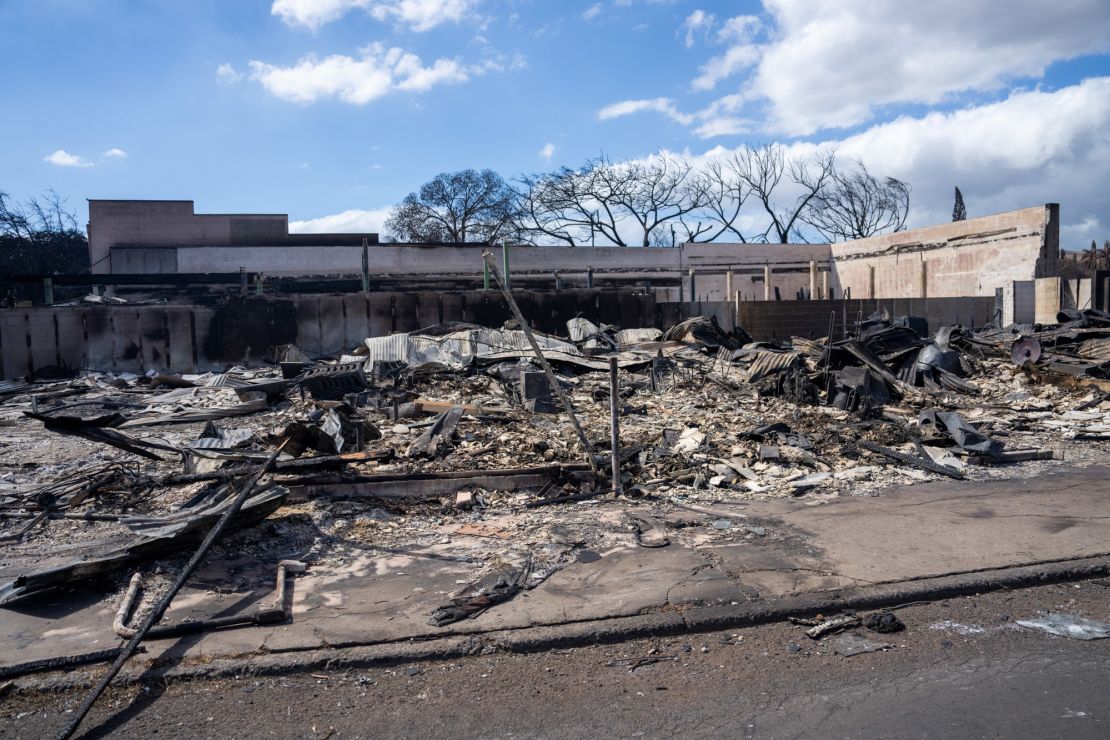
pixel 331 110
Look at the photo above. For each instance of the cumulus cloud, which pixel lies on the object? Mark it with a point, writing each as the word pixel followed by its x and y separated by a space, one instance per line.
pixel 227 74
pixel 353 220
pixel 623 108
pixel 376 72
pixel 735 58
pixel 416 15
pixel 62 158
pixel 115 153
pixel 548 151
pixel 716 119
pixel 832 65
pixel 698 22
pixel 1033 147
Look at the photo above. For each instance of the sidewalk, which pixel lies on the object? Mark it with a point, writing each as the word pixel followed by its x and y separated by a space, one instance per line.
pixel 767 551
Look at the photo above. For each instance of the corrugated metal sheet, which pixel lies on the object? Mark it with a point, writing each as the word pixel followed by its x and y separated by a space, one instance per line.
pixel 392 348
pixel 635 336
pixel 579 329
pixel 766 363
pixel 1095 349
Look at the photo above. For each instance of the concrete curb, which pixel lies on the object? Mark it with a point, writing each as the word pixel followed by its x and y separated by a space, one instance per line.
pixel 600 631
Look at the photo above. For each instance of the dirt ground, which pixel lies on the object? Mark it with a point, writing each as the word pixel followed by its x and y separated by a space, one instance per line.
pixel 962 668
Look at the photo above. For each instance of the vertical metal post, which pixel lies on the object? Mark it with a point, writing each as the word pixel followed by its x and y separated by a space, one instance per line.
pixel 365 266
pixel 590 277
pixel 614 424
pixel 48 291
pixel 554 381
pixel 505 276
pixel 693 291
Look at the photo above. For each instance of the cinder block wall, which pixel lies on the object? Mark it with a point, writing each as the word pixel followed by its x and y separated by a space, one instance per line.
pixel 962 258
pixel 771 320
pixel 201 338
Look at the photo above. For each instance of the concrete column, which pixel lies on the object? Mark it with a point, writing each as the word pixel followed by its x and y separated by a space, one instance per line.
pixel 812 279
pixel 924 278
pixel 729 289
pixel 767 282
pixel 825 285
pixel 693 290
pixel 558 281
pixel 871 282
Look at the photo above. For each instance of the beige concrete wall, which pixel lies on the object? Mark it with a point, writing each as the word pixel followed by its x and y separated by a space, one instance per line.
pixel 965 258
pixel 972 257
pixel 171 223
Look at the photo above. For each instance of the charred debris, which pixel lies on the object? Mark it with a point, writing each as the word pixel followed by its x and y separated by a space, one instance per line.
pixel 112 473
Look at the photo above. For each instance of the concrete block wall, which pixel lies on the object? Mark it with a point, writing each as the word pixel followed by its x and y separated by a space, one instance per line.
pixel 202 338
pixel 962 258
pixel 781 320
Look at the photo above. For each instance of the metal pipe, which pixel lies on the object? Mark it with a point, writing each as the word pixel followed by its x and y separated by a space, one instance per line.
pixel 163 604
pixel 555 386
pixel 508 280
pixel 614 424
pixel 365 266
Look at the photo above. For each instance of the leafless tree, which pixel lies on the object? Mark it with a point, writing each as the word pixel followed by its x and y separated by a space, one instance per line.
pixel 722 194
pixel 468 205
pixel 854 204
pixel 621 204
pixel 38 237
pixel 763 170
pixel 575 206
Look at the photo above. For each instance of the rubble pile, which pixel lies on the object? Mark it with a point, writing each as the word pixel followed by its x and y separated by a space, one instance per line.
pixel 460 432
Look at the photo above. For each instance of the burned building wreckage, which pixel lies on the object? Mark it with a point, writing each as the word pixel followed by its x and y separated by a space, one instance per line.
pixel 506 437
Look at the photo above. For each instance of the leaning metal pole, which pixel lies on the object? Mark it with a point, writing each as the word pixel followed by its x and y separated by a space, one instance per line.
pixel 590 457
pixel 614 424
pixel 159 609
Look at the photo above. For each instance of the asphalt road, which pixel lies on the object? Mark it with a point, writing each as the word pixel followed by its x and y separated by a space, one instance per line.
pixel 960 669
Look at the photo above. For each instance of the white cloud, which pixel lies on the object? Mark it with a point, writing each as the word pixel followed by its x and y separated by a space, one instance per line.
pixel 736 58
pixel 354 220
pixel 417 15
pixel 114 153
pixel 722 126
pixel 1033 147
pixel 227 74
pixel 697 22
pixel 62 158
pixel 716 119
pixel 377 72
pixel 831 65
pixel 591 12
pixel 665 106
pixel 740 28
pixel 548 151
